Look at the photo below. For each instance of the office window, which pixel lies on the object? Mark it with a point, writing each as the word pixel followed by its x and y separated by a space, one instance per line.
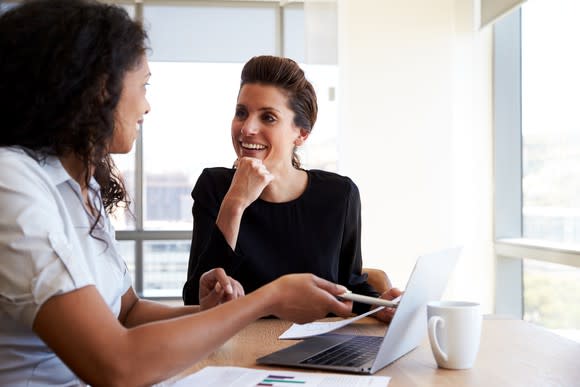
pixel 191 33
pixel 538 138
pixel 195 63
pixel 551 158
pixel 192 106
pixel 552 296
pixel 165 263
pixel 550 121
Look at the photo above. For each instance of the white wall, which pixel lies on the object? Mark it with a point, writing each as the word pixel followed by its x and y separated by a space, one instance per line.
pixel 415 116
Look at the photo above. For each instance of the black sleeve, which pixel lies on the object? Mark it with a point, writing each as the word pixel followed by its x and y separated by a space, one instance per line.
pixel 209 249
pixel 350 271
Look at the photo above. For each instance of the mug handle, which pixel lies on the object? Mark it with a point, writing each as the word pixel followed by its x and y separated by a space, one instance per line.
pixel 433 321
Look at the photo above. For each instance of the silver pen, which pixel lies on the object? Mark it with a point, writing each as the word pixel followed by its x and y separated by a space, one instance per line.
pixel 370 300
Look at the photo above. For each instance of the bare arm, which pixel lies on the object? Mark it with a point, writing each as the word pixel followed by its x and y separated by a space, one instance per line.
pixel 249 181
pixel 229 219
pixel 215 287
pixel 101 351
pixel 141 311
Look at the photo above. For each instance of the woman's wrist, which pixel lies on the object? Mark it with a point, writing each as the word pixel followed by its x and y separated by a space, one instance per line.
pixel 233 206
pixel 269 298
pixel 229 219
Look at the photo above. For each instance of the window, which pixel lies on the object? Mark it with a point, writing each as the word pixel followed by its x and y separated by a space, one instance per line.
pixel 537 158
pixel 552 296
pixel 550 122
pixel 195 64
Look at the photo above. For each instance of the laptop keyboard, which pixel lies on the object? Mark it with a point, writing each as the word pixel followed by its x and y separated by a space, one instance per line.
pixel 351 353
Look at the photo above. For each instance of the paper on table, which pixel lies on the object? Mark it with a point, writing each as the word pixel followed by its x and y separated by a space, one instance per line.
pixel 302 331
pixel 241 377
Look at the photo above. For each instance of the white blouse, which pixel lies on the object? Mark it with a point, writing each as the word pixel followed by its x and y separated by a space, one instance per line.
pixel 46 250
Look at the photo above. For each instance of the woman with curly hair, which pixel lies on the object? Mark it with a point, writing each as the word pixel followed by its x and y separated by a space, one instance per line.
pixel 73 76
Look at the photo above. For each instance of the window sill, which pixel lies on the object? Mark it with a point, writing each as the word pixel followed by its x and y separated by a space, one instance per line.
pixel 541 250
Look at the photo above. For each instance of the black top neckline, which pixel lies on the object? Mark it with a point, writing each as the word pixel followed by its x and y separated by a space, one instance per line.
pixel 298 199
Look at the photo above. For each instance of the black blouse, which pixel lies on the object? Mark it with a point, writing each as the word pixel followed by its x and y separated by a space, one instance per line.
pixel 319 233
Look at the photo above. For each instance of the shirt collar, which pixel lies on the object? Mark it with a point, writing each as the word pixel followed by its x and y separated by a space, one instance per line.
pixel 54 169
pixel 56 172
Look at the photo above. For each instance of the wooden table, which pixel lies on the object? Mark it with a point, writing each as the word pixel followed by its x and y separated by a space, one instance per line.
pixel 512 353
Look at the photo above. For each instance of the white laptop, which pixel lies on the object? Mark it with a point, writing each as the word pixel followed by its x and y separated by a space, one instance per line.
pixel 368 354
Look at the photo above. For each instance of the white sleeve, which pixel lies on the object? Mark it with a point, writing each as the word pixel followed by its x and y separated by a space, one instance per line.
pixel 35 251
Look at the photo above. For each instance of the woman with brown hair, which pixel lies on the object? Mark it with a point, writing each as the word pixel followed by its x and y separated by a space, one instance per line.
pixel 267 216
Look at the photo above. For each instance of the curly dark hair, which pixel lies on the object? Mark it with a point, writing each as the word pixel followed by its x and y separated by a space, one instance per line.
pixel 62 64
pixel 285 74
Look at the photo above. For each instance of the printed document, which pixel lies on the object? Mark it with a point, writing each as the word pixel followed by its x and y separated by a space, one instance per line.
pixel 302 331
pixel 248 377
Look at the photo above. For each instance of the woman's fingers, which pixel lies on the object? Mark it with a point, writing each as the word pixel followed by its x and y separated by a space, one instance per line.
pixel 217 287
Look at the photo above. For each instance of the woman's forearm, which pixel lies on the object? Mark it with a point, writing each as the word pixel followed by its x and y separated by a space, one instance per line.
pixel 229 219
pixel 145 311
pixel 206 331
pixel 103 352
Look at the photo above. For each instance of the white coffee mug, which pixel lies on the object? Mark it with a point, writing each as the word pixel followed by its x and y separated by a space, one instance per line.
pixel 454 332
